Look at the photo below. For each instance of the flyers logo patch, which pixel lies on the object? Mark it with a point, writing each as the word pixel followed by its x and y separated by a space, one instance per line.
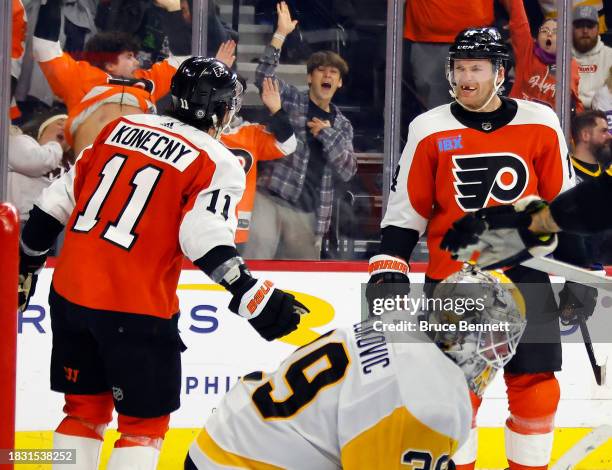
pixel 245 158
pixel 479 178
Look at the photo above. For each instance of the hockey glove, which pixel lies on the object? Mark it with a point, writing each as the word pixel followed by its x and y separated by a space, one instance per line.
pixel 501 235
pixel 576 302
pixel 29 267
pixel 388 278
pixel 272 312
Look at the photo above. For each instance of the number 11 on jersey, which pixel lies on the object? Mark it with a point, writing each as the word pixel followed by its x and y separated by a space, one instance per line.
pixel 121 232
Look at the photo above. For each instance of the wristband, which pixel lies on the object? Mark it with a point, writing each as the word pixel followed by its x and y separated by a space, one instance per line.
pixel 385 263
pixel 279 36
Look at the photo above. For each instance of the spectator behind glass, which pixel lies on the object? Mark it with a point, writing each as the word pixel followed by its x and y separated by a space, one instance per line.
pixel 34 164
pixel 591 159
pixel 592 153
pixel 109 83
pixel 536 60
pixel 293 205
pixel 20 25
pixel 430 28
pixel 593 56
pixel 602 100
pixel 549 9
pixel 252 142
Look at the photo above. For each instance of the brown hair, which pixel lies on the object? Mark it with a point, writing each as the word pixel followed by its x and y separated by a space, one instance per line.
pixel 104 48
pixel 586 120
pixel 327 59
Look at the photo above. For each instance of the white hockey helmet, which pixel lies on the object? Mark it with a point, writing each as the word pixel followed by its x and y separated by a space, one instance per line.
pixel 488 327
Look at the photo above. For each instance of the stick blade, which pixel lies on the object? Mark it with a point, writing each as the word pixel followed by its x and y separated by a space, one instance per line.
pixel 600 374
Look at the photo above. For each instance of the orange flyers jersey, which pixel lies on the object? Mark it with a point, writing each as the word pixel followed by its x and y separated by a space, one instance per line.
pixel 83 87
pixel 149 190
pixel 351 399
pixel 20 26
pixel 252 143
pixel 448 169
pixel 442 20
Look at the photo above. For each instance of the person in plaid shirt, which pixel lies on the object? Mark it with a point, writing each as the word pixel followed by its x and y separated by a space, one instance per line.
pixel 294 200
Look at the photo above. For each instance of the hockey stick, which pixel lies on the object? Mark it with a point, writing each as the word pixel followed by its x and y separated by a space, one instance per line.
pixel 570 272
pixel 547 265
pixel 583 276
pixel 599 371
pixel 584 447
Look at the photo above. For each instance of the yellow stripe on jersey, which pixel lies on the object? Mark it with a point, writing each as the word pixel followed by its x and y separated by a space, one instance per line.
pixel 585 170
pixel 222 457
pixel 398 441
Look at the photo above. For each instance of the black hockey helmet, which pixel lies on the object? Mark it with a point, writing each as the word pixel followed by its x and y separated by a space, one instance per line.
pixel 479 43
pixel 203 91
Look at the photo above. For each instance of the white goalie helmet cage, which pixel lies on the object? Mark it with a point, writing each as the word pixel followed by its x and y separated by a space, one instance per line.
pixel 487 329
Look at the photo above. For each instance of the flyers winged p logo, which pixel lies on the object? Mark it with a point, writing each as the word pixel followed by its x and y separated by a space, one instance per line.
pixel 244 157
pixel 502 177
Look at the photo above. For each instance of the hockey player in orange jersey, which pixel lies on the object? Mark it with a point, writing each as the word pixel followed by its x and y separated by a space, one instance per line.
pixel 484 150
pixel 366 397
pixel 150 190
pixel 20 26
pixel 109 83
pixel 252 142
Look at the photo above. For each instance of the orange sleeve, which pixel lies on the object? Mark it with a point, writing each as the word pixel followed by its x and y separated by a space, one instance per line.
pixel 160 74
pixel 20 27
pixel 522 42
pixel 69 79
pixel 266 143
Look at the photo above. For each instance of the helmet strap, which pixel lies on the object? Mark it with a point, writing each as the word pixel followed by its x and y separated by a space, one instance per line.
pixel 218 124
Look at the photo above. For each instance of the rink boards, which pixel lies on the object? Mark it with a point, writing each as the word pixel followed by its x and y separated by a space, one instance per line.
pixel 222 346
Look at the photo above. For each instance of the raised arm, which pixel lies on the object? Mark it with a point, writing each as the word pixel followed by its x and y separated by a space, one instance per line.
pixel 270 59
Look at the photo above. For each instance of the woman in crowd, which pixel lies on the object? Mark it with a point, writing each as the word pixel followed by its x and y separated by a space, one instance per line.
pixel 535 61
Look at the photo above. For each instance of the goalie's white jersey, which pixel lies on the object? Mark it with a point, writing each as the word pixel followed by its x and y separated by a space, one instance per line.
pixel 349 399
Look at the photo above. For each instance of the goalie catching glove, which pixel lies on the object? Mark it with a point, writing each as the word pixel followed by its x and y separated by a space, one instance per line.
pixel 271 311
pixel 501 234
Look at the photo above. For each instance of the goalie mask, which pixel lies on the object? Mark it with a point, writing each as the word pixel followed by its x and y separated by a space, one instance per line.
pixel 206 93
pixel 478 44
pixel 488 313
